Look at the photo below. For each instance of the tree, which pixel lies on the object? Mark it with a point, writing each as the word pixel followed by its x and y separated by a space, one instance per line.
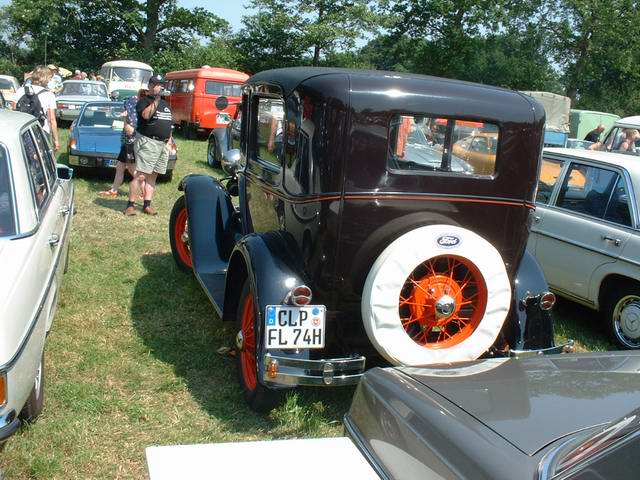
pixel 83 34
pixel 294 32
pixel 596 43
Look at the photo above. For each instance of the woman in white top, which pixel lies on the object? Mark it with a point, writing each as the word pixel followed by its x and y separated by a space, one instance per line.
pixel 39 80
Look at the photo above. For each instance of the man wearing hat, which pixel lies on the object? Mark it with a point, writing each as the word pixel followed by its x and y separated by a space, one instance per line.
pixel 151 146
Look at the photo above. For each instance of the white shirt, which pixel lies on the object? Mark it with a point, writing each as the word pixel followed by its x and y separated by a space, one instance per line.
pixel 47 101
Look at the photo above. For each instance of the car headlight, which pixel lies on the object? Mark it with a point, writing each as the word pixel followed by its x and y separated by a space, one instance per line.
pixel 3 389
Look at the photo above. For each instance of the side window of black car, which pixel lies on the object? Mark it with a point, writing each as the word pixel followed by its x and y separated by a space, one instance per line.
pixel 432 144
pixel 270 130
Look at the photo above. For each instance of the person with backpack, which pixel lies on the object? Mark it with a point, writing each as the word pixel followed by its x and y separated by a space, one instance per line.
pixel 36 100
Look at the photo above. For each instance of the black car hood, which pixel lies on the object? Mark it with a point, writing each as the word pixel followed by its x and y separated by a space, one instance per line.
pixel 532 402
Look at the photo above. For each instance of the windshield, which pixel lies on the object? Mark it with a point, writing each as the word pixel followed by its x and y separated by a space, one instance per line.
pixel 126 74
pixel 102 116
pixel 6 84
pixel 88 89
pixel 7 222
pixel 622 140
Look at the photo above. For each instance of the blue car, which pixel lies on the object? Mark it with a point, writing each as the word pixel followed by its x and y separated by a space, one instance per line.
pixel 95 137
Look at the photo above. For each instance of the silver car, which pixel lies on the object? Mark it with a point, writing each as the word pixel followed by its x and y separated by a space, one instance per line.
pixel 586 234
pixel 74 94
pixel 36 205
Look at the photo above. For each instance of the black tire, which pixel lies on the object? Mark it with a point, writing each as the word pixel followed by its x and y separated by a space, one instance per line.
pixel 260 398
pixel 35 403
pixel 213 157
pixel 624 329
pixel 177 228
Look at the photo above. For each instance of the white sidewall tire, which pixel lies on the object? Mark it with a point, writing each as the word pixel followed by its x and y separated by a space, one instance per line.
pixel 380 298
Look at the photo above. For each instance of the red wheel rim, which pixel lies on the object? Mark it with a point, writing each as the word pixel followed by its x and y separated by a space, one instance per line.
pixel 443 301
pixel 179 236
pixel 248 352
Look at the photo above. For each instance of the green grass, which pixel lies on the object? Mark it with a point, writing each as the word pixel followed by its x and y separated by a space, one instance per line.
pixel 131 360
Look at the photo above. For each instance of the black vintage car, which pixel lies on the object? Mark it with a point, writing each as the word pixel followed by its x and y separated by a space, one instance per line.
pixel 359 237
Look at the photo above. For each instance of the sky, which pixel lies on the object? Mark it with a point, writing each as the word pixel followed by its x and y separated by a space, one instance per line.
pixel 231 11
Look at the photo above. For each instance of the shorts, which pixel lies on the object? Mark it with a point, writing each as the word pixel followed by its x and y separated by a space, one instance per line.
pixel 126 154
pixel 151 155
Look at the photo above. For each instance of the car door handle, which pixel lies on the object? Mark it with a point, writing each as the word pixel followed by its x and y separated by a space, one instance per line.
pixel 64 211
pixel 54 239
pixel 615 241
pixel 537 218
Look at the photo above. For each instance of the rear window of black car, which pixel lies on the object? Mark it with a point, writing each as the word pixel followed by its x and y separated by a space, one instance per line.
pixel 7 220
pixel 431 144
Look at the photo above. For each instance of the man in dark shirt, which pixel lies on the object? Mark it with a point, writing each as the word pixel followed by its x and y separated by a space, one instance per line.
pixel 594 135
pixel 151 146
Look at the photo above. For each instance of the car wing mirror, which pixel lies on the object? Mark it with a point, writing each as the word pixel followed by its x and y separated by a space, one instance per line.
pixel 114 96
pixel 65 172
pixel 231 161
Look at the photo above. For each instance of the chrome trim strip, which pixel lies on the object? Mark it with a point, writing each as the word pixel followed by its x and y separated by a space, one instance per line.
pixel 586 247
pixel 296 371
pixel 565 348
pixel 34 320
pixel 354 434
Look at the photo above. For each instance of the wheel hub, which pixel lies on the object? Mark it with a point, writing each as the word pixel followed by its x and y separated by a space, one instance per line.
pixel 445 306
pixel 239 340
pixel 630 320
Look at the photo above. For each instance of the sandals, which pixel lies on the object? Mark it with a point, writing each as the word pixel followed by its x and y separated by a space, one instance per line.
pixel 108 193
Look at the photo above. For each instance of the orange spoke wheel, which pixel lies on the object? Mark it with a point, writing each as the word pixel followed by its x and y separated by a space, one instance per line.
pixel 442 301
pixel 181 237
pixel 248 350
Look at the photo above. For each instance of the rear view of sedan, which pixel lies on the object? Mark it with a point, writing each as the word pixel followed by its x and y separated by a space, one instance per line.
pixel 74 94
pixel 36 205
pixel 96 136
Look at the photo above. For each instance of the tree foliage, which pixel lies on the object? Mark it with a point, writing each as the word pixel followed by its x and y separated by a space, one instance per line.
pixel 302 32
pixel 587 49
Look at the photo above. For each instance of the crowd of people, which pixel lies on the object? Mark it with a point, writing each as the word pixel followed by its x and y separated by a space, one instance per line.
pixel 146 132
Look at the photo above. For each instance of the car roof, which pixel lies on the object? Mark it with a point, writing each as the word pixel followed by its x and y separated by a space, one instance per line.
pixel 631 122
pixel 95 82
pixel 213 73
pixel 8 77
pixel 628 162
pixel 289 78
pixel 11 121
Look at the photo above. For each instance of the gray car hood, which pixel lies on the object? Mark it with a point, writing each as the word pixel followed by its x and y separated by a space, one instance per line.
pixel 81 98
pixel 532 402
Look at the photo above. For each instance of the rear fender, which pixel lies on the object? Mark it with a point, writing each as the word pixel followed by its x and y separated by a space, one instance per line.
pixel 268 260
pixel 214 225
pixel 534 329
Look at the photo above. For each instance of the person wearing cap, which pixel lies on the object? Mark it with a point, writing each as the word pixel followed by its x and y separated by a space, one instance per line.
pixel 55 84
pixel 151 146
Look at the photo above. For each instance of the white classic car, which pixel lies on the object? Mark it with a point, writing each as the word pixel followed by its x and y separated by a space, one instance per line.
pixel 585 234
pixel 36 206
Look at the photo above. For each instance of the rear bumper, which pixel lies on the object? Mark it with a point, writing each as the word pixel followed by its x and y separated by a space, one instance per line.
pixel 9 424
pixel 291 372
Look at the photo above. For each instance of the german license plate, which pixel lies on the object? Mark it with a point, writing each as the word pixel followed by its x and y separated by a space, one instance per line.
pixel 290 327
pixel 109 162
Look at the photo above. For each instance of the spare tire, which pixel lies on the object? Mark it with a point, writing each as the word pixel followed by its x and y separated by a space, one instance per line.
pixel 436 294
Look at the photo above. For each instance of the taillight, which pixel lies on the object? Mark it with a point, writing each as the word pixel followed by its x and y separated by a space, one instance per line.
pixel 547 301
pixel 73 143
pixel 3 389
pixel 301 295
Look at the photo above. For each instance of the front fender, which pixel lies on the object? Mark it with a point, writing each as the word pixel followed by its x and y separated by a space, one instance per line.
pixel 214 226
pixel 535 325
